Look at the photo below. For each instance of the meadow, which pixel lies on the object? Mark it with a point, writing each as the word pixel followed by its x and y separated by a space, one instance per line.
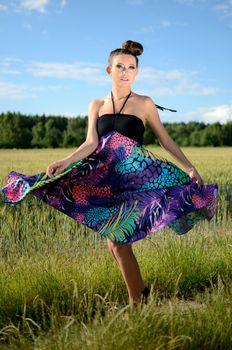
pixel 61 289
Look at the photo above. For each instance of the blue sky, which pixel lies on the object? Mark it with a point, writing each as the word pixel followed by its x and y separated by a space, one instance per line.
pixel 53 54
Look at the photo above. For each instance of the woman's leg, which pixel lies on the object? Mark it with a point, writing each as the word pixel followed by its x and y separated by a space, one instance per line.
pixel 129 268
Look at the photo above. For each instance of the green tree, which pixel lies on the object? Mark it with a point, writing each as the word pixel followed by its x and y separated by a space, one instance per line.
pixel 38 133
pixel 227 134
pixel 20 131
pixel 149 137
pixel 76 131
pixel 53 137
pixel 212 135
pixel 195 138
pixel 15 131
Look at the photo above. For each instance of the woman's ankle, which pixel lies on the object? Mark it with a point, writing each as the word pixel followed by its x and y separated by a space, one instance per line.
pixel 145 295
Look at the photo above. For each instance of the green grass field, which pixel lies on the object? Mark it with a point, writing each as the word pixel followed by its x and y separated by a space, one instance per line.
pixel 61 289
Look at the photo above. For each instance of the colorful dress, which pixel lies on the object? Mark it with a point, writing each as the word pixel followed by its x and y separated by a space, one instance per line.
pixel 122 190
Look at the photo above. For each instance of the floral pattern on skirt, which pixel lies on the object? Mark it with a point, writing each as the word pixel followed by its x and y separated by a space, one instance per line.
pixel 122 191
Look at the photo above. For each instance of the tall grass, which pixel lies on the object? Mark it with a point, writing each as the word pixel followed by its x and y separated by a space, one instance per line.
pixel 60 288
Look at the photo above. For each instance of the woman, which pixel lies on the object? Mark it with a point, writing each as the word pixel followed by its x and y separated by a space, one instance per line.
pixel 119 188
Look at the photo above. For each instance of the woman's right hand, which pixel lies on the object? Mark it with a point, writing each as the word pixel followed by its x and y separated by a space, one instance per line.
pixel 195 176
pixel 57 167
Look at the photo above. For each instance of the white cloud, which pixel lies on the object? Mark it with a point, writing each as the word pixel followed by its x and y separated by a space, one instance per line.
pixel 10 66
pixel 191 2
pixel 165 24
pixel 149 74
pixel 185 2
pixel 10 71
pixel 10 91
pixel 182 90
pixel 37 5
pixel 78 71
pixel 174 83
pixel 135 2
pixel 194 89
pixel 82 71
pixel 45 88
pixel 152 82
pixel 63 3
pixel 161 24
pixel 3 8
pixel 221 114
pixel 18 6
pixel 225 8
pixel 14 91
pixel 146 29
pixel 27 26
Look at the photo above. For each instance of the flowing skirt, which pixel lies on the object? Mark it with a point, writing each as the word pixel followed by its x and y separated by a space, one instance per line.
pixel 122 191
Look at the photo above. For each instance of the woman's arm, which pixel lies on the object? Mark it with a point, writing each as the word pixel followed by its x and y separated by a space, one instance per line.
pixel 91 141
pixel 167 142
pixel 85 149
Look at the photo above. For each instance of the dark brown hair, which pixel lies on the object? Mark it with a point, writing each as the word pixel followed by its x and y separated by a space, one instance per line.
pixel 129 47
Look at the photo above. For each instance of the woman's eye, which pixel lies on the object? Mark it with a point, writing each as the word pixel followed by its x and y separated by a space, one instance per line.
pixel 122 68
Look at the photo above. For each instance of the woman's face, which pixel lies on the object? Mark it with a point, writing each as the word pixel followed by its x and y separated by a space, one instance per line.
pixel 123 69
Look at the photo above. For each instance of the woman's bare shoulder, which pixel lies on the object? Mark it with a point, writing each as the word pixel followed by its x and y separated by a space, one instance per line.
pixel 143 98
pixel 96 104
pixel 147 104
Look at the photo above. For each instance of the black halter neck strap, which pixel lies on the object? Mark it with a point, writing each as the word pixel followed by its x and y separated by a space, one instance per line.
pixel 157 106
pixel 112 98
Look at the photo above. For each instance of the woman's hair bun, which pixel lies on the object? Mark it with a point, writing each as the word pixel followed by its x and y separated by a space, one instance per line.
pixel 132 46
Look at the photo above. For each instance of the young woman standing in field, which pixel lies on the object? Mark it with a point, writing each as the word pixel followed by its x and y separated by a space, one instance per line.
pixel 117 187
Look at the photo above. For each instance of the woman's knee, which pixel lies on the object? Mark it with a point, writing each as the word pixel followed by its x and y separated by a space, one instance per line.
pixel 109 243
pixel 118 249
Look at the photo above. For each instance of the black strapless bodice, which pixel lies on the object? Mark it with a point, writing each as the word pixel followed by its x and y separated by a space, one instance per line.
pixel 126 124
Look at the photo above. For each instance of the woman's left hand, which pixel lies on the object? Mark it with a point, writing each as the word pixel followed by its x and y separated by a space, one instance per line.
pixel 195 176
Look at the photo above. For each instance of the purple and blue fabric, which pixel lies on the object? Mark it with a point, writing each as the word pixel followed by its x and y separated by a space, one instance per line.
pixel 122 191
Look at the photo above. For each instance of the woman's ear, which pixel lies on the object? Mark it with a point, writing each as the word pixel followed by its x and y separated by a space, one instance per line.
pixel 108 69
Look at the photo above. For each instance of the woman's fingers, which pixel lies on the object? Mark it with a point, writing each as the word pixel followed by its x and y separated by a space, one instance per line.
pixel 199 179
pixel 56 167
pixel 49 172
pixel 195 176
pixel 52 169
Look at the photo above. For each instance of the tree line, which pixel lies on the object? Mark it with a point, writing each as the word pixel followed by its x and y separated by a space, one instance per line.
pixel 25 131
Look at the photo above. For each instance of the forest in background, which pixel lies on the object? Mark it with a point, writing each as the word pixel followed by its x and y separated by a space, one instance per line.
pixel 35 131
